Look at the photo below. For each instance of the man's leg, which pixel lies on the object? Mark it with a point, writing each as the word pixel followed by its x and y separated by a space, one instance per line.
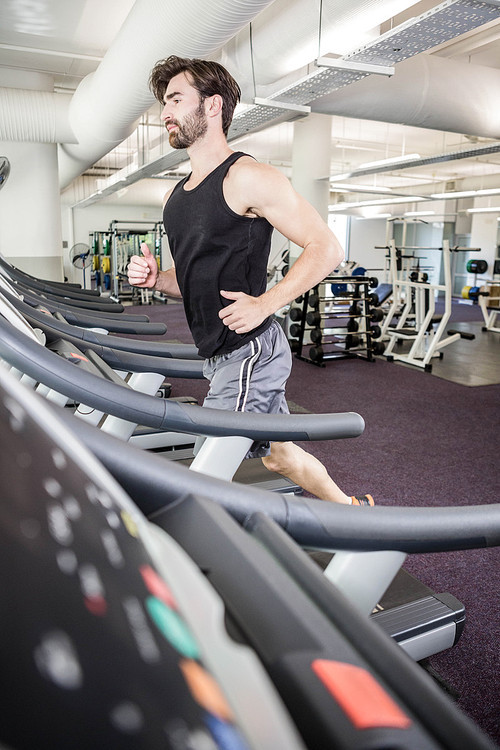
pixel 305 470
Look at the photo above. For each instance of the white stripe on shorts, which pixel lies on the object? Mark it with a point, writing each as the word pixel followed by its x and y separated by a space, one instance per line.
pixel 245 375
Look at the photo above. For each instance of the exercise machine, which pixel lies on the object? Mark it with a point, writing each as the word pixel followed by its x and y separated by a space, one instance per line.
pixel 228 557
pixel 426 341
pixel 30 305
pixel 110 634
pixel 131 601
pixel 229 434
pixel 433 627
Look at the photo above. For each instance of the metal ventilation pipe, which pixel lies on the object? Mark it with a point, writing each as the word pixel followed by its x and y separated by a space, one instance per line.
pixel 426 92
pixel 35 116
pixel 107 104
pixel 296 34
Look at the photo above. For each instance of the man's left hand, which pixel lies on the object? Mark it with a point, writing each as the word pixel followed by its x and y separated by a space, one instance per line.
pixel 244 314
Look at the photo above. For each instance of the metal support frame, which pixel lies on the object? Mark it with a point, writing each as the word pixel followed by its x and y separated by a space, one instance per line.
pixel 303 109
pixel 221 456
pixel 356 67
pixel 366 590
pixel 155 227
pixel 144 382
pixel 490 313
pixel 426 342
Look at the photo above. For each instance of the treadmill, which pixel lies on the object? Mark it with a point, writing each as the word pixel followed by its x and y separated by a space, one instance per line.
pixel 127 355
pixel 231 434
pixel 421 621
pixel 121 641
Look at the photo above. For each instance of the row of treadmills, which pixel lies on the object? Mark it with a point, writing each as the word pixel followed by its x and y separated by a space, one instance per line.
pixel 149 601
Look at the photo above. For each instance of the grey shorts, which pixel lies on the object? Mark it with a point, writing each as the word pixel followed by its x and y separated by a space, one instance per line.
pixel 252 378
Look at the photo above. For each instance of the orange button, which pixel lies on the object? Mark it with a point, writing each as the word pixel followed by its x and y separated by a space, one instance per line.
pixel 360 696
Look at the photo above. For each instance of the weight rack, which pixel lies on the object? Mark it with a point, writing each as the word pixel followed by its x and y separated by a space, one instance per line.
pixel 352 305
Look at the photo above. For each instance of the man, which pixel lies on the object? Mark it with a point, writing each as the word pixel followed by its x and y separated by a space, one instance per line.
pixel 219 222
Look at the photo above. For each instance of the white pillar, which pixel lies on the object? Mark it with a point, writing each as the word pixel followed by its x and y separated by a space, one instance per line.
pixel 30 205
pixel 30 213
pixel 312 138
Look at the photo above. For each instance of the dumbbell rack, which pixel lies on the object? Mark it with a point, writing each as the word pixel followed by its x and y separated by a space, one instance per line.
pixel 352 302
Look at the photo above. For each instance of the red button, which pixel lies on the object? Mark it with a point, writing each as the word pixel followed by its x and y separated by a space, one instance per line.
pixel 360 696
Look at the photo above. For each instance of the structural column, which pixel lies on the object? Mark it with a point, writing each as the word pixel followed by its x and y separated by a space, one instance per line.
pixel 30 204
pixel 312 138
pixel 30 215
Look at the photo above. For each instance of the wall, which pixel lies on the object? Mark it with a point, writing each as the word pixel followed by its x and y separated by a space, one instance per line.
pixel 365 234
pixel 30 230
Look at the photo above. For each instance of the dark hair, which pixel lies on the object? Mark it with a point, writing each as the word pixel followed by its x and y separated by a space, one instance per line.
pixel 207 77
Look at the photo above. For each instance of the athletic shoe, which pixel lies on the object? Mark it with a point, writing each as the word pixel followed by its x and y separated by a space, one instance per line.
pixel 365 500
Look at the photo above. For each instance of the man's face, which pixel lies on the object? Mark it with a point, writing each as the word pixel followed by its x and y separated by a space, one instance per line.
pixel 183 113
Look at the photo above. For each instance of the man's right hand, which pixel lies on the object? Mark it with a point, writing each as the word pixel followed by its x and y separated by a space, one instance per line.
pixel 143 271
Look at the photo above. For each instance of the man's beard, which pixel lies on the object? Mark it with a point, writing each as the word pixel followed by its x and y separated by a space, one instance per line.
pixel 193 128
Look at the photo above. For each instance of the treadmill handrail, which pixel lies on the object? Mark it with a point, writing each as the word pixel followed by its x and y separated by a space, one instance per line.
pixel 55 328
pixel 34 300
pixel 312 523
pixel 46 284
pixel 119 324
pixel 94 303
pixel 57 373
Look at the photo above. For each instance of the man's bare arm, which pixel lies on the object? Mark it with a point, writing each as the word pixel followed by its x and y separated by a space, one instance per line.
pixel 268 193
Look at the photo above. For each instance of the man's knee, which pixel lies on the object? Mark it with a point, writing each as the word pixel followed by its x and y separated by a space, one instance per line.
pixel 280 459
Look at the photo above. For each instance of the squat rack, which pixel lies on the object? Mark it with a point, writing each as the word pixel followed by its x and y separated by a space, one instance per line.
pixel 420 301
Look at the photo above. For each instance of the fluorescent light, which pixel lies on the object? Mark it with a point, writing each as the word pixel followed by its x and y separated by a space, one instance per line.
pixel 355 148
pixel 380 202
pixel 375 216
pixel 488 191
pixel 352 188
pixel 466 193
pixel 282 105
pixel 490 209
pixel 391 160
pixel 458 194
pixel 354 66
pixel 419 213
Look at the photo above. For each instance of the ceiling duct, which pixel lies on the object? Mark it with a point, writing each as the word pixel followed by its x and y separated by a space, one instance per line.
pixel 426 92
pixel 35 116
pixel 107 104
pixel 443 23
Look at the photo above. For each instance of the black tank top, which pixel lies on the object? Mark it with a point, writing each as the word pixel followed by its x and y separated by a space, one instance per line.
pixel 215 248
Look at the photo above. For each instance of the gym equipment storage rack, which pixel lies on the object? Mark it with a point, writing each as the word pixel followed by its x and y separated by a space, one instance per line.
pixel 340 324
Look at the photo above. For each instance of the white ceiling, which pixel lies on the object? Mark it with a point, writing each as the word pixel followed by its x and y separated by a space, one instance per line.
pixel 60 41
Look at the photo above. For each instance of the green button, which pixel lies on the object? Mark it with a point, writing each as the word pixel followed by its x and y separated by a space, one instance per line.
pixel 173 627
